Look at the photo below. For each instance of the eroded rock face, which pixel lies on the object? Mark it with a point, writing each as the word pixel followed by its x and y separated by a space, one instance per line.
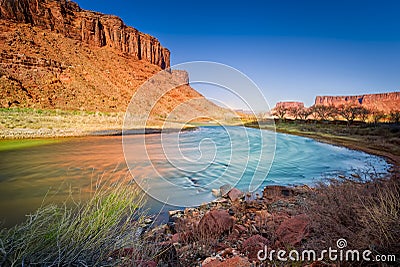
pixel 384 102
pixel 92 28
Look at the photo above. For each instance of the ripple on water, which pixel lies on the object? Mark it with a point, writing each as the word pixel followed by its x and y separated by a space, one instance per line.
pixel 26 175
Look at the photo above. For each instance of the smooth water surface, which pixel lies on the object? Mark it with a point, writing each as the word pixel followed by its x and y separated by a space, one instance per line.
pixel 207 158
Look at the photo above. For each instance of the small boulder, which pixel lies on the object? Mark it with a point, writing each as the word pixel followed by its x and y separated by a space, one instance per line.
pixel 235 194
pixel 224 190
pixel 293 230
pixel 208 261
pixel 216 192
pixel 215 222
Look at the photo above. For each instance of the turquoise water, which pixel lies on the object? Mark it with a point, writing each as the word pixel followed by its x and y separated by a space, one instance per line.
pixel 189 165
pixel 207 158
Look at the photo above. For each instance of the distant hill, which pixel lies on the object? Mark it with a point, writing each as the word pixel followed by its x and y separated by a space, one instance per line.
pixel 55 55
pixel 385 102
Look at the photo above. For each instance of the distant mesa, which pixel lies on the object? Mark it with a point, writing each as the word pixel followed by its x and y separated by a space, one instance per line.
pixel 384 102
pixel 289 104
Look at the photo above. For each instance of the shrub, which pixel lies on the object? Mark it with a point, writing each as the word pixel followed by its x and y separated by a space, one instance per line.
pixel 364 212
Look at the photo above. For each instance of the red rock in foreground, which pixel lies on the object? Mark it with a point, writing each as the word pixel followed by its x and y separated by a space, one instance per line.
pixel 231 231
pixel 235 194
pixel 216 222
pixel 293 230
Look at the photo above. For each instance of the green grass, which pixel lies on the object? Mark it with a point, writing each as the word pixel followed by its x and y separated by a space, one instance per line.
pixel 18 123
pixel 86 234
pixel 24 143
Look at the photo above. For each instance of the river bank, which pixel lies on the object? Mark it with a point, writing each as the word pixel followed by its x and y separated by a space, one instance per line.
pixel 231 230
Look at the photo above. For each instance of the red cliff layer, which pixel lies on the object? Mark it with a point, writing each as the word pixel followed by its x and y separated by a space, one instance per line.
pixel 385 102
pixel 290 104
pixel 92 28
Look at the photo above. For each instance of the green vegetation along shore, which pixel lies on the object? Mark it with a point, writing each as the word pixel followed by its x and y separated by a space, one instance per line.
pixel 16 123
pixel 28 123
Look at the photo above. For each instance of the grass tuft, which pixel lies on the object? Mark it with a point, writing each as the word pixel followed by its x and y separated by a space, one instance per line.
pixel 86 234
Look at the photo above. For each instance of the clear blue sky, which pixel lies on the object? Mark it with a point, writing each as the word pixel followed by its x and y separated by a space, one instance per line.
pixel 293 50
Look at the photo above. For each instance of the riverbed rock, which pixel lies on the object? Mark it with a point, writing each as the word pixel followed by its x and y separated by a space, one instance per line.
pixel 225 189
pixel 216 192
pixel 235 194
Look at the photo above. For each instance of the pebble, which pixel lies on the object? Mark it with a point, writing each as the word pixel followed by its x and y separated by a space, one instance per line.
pixel 174 212
pixel 216 192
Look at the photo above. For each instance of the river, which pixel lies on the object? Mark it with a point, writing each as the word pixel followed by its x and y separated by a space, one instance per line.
pixel 181 169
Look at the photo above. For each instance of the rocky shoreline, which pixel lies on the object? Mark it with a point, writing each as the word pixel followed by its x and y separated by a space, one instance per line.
pixel 234 228
pixel 230 230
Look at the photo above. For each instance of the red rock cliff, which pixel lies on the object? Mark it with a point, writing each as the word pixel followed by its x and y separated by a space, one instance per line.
pixel 92 28
pixel 385 102
pixel 290 104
